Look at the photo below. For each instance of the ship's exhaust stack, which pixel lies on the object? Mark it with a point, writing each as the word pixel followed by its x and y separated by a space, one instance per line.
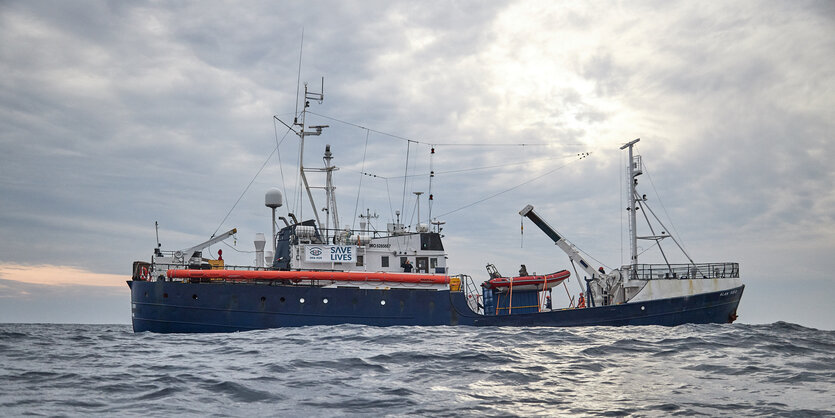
pixel 260 242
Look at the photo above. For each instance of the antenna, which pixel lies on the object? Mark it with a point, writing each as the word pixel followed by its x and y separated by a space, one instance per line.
pixel 368 217
pixel 431 176
pixel 417 203
pixel 299 79
pixel 438 224
pixel 316 130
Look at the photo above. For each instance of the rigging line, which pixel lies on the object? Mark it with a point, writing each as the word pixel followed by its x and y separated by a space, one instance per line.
pixel 278 152
pixel 646 170
pixel 591 256
pixel 463 170
pixel 403 200
pixel 506 144
pixel 299 77
pixel 579 281
pixel 412 218
pixel 297 194
pixel 388 193
pixel 651 247
pixel 437 144
pixel 510 189
pixel 670 235
pixel 377 176
pixel 368 129
pixel 359 188
pixel 244 192
pixel 652 230
pixel 240 251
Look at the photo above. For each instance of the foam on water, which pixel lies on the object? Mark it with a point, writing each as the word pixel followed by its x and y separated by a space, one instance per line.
pixel 777 369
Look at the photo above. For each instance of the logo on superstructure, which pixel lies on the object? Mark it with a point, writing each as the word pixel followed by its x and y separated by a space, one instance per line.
pixel 315 251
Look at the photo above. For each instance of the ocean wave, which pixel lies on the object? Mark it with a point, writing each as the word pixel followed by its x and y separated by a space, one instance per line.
pixel 774 369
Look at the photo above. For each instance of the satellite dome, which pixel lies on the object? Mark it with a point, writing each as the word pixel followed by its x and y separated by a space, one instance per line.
pixel 273 198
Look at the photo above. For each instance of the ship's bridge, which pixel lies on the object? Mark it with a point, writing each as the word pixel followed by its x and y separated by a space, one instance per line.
pixel 302 247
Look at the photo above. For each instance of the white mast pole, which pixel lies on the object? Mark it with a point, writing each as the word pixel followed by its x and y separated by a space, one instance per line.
pixel 633 233
pixel 302 135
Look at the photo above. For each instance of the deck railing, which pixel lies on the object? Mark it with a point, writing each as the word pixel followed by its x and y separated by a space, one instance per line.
pixel 686 271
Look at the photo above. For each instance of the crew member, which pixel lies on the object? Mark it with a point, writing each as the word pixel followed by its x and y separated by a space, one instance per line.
pixel 523 271
pixel 582 302
pixel 407 266
pixel 601 270
pixel 548 302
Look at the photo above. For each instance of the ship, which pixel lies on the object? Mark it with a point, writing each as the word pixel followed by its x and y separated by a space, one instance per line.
pixel 316 273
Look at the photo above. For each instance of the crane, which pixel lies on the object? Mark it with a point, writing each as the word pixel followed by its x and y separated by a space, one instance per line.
pixel 605 281
pixel 191 251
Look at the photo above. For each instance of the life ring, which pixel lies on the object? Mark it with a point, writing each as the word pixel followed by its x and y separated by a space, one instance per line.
pixel 144 274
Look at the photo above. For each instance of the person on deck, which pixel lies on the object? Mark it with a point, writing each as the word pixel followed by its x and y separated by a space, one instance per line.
pixel 407 266
pixel 548 302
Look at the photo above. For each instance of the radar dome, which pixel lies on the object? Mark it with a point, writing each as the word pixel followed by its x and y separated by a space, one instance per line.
pixel 273 198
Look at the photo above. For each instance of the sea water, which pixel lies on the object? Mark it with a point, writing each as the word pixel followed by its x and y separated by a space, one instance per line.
pixel 727 370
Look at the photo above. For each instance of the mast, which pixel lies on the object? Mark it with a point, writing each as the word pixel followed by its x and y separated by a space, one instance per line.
pixel 633 232
pixel 317 130
pixel 330 207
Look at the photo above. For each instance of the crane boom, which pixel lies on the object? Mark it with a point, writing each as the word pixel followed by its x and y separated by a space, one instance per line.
pixel 189 252
pixel 560 241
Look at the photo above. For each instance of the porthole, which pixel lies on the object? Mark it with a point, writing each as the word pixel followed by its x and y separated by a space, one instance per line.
pixel 382 302
pixel 263 299
pixel 165 295
pixel 324 300
pixel 282 299
pixel 642 308
pixel 194 296
pixel 301 300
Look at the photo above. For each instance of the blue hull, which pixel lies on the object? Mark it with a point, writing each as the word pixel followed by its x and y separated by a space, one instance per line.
pixel 223 307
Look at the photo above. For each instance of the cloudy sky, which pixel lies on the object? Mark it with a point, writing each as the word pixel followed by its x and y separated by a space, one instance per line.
pixel 115 115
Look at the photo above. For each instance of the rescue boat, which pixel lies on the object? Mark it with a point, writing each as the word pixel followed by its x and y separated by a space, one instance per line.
pixel 540 282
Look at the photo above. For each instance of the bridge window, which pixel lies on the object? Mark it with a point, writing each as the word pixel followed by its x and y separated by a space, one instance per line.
pixel 431 241
pixel 360 260
pixel 385 261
